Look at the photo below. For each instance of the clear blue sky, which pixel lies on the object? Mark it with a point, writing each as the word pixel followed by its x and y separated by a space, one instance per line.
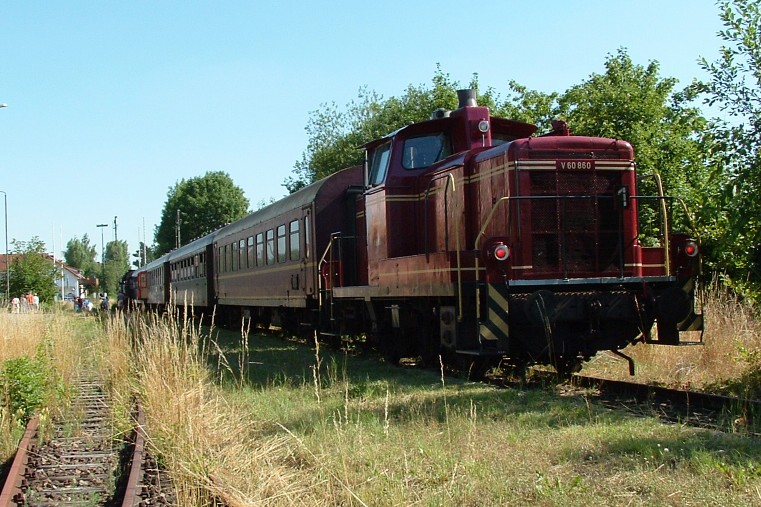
pixel 111 103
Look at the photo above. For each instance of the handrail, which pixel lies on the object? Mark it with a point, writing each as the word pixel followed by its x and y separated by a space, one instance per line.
pixel 328 248
pixel 664 211
pixel 490 216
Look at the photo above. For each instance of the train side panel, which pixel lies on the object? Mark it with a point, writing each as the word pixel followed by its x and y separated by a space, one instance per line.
pixel 268 261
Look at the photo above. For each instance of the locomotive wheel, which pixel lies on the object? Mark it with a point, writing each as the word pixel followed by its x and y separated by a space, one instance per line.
pixel 390 351
pixel 429 358
pixel 429 349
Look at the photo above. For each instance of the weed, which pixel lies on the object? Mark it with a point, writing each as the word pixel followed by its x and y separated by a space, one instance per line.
pixel 25 386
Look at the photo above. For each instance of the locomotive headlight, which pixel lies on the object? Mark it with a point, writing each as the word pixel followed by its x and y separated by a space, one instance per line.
pixel 483 126
pixel 691 248
pixel 501 252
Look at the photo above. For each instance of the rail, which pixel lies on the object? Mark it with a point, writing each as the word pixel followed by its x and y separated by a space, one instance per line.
pixel 77 466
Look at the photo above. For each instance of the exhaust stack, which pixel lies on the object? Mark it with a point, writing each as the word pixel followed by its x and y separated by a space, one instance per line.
pixel 466 98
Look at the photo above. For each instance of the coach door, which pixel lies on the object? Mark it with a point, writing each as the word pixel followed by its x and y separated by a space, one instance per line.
pixel 308 260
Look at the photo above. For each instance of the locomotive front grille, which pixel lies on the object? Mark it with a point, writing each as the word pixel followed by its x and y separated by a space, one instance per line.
pixel 575 226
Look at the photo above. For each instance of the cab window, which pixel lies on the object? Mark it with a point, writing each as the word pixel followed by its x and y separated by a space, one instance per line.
pixel 422 151
pixel 379 164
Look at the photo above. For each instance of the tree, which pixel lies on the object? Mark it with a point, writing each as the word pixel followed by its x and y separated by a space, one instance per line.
pixel 81 255
pixel 735 88
pixel 335 135
pixel 32 270
pixel 204 203
pixel 116 264
pixel 633 102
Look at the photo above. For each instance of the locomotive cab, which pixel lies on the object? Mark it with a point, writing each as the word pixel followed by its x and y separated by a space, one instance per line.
pixel 424 146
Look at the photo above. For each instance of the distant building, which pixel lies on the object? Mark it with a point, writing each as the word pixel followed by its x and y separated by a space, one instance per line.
pixel 72 280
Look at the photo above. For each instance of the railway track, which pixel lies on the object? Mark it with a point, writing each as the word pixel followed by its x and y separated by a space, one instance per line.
pixel 81 462
pixel 707 410
pixel 695 408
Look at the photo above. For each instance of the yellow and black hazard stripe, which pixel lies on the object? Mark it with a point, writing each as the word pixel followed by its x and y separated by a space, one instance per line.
pixel 494 325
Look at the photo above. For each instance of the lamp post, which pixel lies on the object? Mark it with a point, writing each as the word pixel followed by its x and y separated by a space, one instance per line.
pixel 7 263
pixel 102 251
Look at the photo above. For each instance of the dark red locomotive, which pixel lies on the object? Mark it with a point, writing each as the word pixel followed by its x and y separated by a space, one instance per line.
pixel 463 237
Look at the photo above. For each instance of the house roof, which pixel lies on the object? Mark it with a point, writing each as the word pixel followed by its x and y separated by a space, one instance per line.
pixel 8 259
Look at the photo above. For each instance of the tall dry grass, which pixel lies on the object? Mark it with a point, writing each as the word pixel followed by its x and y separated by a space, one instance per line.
pixel 208 444
pixel 61 341
pixel 731 341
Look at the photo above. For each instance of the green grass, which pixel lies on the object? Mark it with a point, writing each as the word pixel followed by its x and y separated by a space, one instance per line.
pixel 379 435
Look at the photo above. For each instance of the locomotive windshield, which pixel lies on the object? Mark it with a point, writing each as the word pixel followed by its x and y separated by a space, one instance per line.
pixel 422 151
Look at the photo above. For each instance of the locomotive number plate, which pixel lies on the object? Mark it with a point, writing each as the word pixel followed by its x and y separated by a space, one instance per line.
pixel 575 165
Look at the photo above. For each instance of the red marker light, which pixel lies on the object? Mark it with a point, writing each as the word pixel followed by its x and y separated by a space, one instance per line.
pixel 691 249
pixel 501 252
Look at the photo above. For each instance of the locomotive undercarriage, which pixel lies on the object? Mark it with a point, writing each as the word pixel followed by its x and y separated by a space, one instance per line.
pixel 567 326
pixel 515 326
pixel 561 325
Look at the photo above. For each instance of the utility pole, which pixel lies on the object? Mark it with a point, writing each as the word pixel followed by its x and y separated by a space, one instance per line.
pixel 177 228
pixel 102 252
pixel 7 260
pixel 145 248
pixel 115 238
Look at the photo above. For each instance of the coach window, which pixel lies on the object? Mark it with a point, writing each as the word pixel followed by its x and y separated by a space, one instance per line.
pixel 294 236
pixel 250 252
pixel 226 265
pixel 242 252
pixel 423 151
pixel 201 265
pixel 271 246
pixel 379 164
pixel 282 253
pixel 260 249
pixel 234 249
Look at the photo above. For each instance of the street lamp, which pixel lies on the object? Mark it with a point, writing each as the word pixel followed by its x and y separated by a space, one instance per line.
pixel 102 251
pixel 7 264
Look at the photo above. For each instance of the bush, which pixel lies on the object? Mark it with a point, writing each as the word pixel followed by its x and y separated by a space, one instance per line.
pixel 24 385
